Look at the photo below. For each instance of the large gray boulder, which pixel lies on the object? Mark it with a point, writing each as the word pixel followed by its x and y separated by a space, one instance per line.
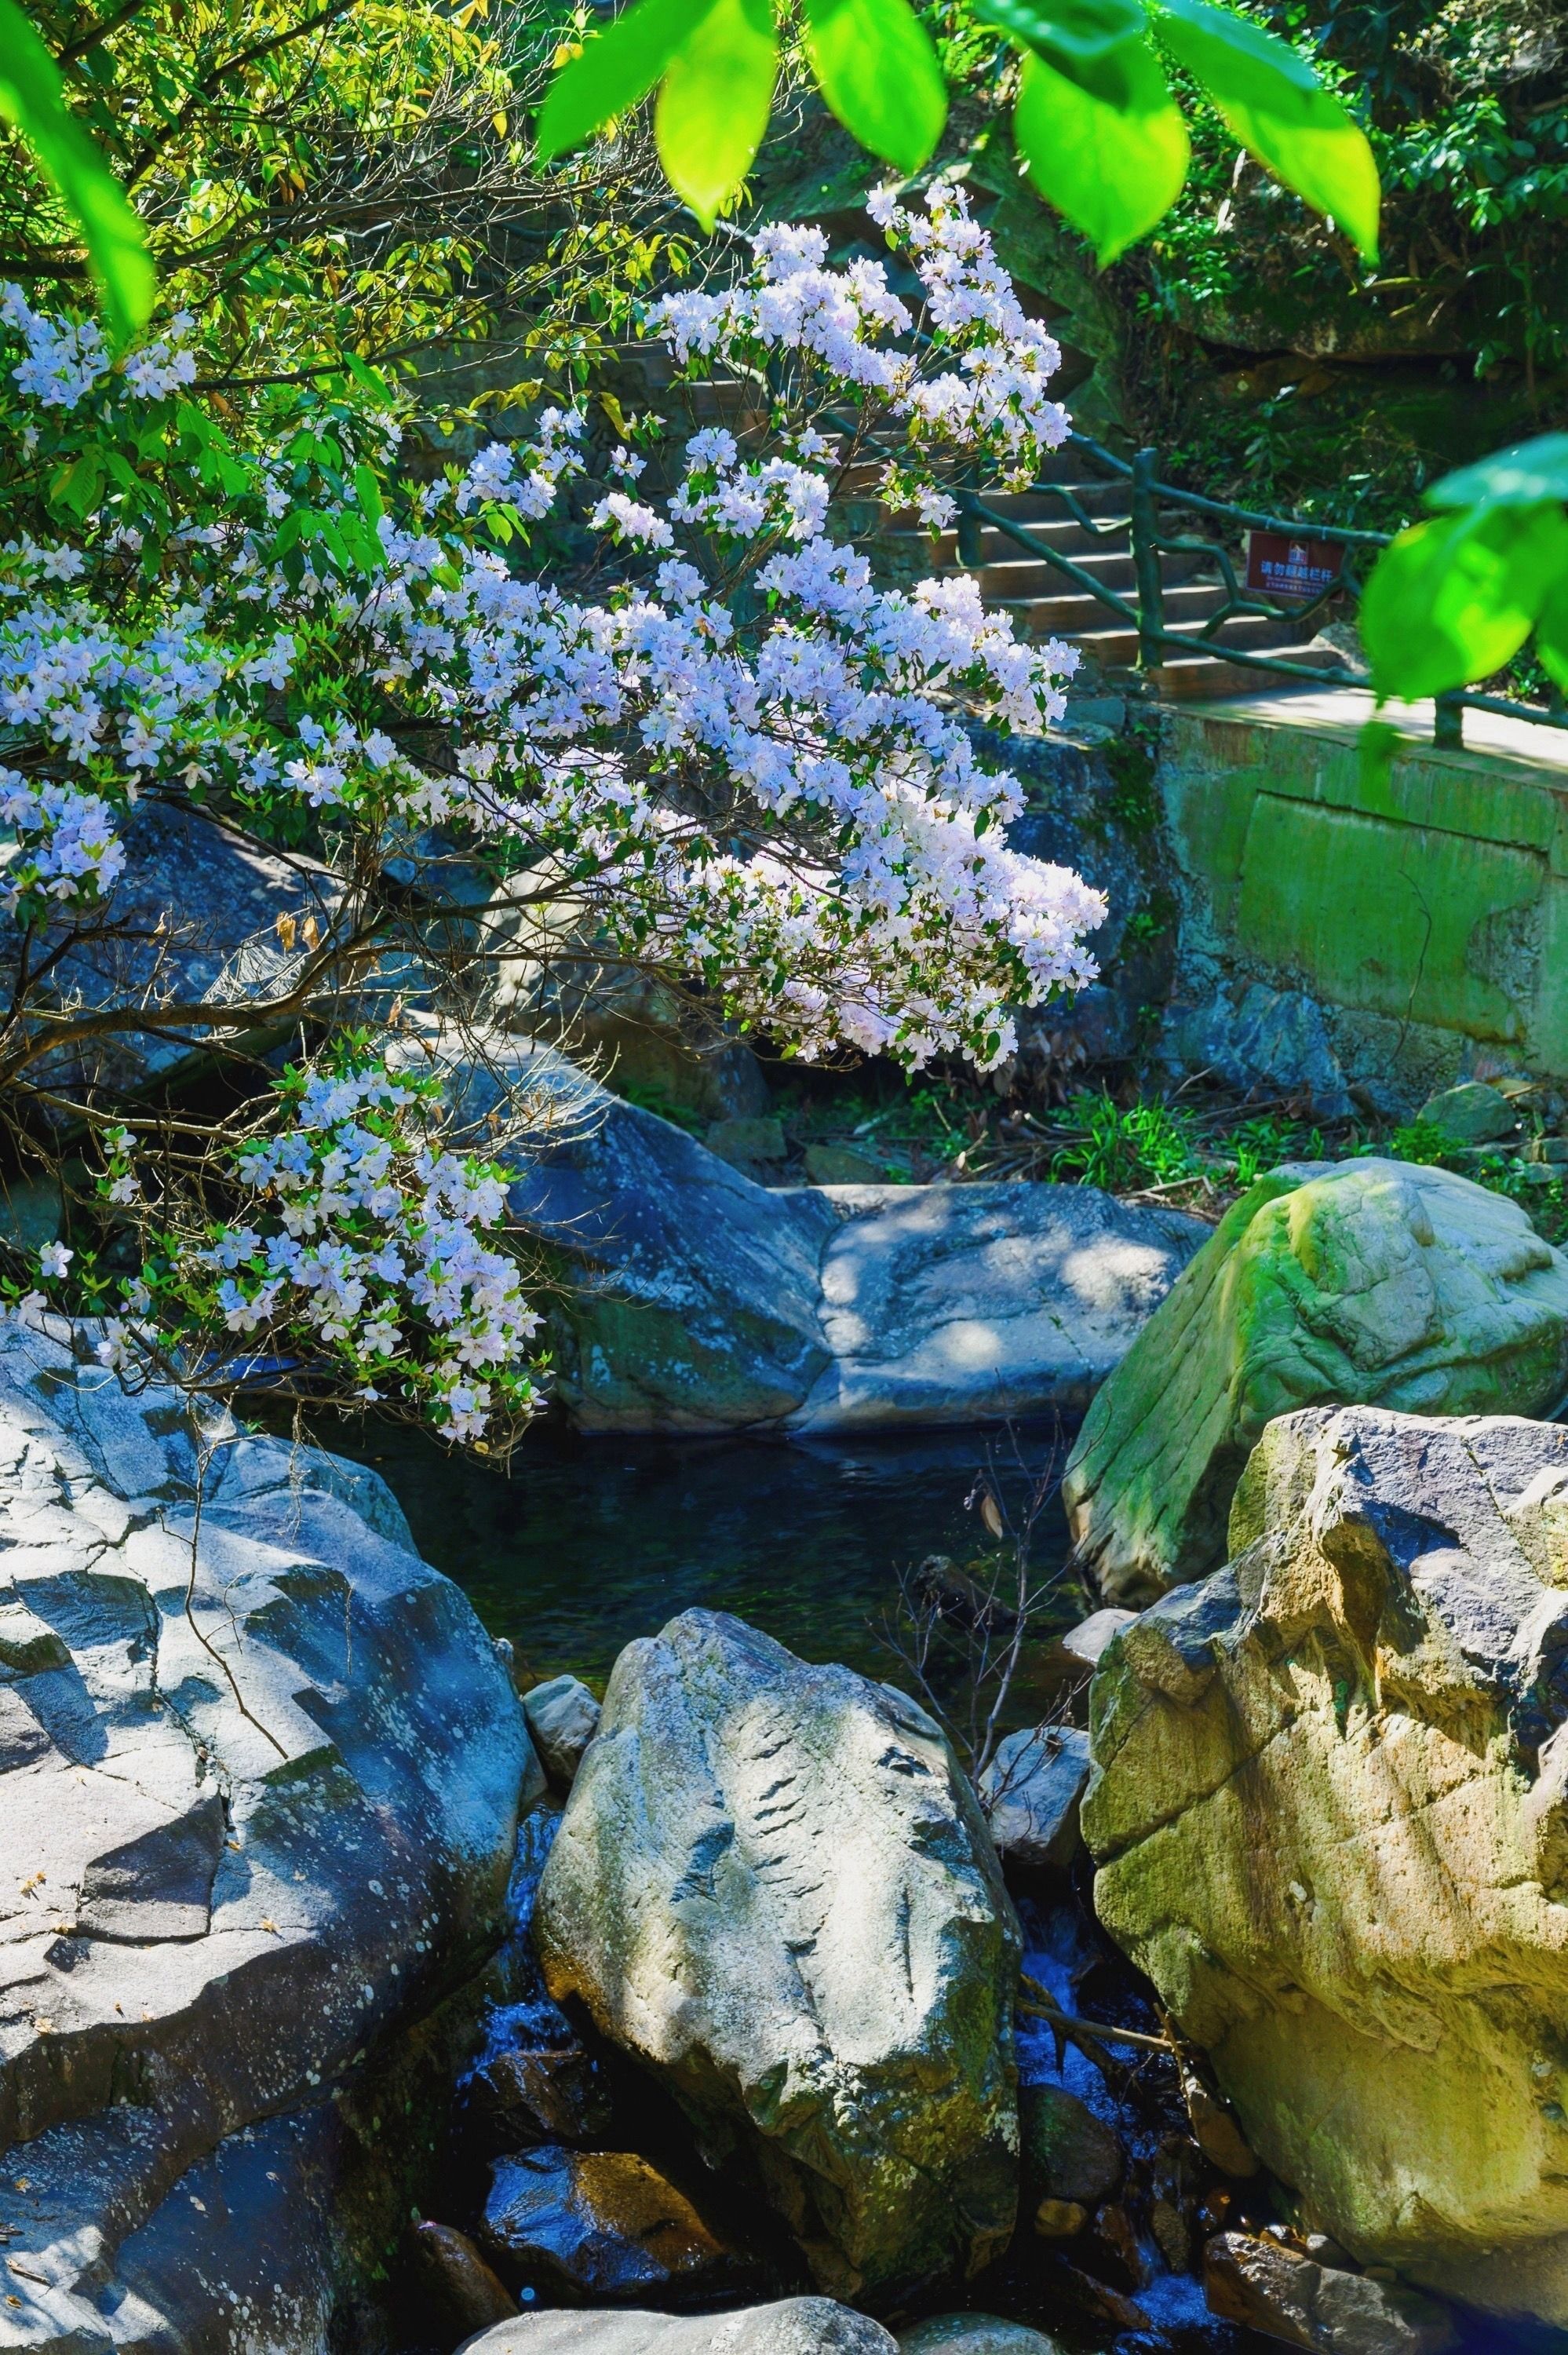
pixel 261 1772
pixel 695 1299
pixel 201 916
pixel 1369 1281
pixel 772 1886
pixel 792 2326
pixel 1329 1808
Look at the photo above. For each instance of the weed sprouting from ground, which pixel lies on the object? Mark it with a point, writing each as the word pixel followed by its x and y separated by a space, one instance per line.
pixel 1124 1148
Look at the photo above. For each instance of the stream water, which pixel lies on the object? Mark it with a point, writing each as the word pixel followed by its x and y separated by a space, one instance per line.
pixel 585 1543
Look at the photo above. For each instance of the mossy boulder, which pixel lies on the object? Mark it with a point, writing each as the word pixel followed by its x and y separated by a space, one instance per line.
pixel 1369 1281
pixel 773 1887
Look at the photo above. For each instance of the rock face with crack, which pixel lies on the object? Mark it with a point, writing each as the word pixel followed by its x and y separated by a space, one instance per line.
pixel 1329 1808
pixel 260 1782
pixel 698 1300
pixel 773 1887
pixel 1368 1282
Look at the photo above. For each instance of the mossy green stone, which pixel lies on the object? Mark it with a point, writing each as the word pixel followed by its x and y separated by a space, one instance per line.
pixel 1361 1283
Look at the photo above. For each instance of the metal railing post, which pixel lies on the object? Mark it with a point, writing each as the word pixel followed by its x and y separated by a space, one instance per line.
pixel 1146 567
pixel 1448 721
pixel 971 530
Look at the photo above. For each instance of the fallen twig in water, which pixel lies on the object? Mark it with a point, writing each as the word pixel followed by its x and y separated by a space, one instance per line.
pixel 1045 2007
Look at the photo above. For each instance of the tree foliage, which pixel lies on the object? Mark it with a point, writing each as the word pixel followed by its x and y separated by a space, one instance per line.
pixel 1097 127
pixel 697 733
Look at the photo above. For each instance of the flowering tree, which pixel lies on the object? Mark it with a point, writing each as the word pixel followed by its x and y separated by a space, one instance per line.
pixel 740 758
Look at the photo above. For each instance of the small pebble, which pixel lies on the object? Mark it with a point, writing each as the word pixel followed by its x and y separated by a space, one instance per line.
pixel 1059 2220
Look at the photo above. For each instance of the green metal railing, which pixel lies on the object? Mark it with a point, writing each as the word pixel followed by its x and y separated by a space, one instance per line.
pixel 1152 539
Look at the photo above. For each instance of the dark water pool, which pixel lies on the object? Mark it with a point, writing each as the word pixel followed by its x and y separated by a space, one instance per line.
pixel 585 1543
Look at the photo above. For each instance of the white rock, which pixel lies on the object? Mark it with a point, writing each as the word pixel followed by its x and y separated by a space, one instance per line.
pixel 1031 1793
pixel 975 2334
pixel 257 1813
pixel 772 1885
pixel 563 1717
pixel 794 2326
pixel 1087 1640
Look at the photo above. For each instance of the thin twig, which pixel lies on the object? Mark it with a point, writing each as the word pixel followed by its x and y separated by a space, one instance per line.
pixel 1047 2007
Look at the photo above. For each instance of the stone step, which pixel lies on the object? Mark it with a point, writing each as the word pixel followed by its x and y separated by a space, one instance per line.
pixel 939 551
pixel 1116 644
pixel 1024 577
pixel 1185 677
pixel 1044 506
pixel 1075 613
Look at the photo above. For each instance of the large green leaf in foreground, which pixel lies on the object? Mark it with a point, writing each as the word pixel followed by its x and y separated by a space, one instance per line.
pixel 1274 101
pixel 32 96
pixel 1112 170
pixel 878 70
pixel 1455 599
pixel 714 102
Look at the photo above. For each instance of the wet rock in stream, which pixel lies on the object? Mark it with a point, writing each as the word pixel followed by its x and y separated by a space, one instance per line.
pixel 602 2225
pixel 1068 2153
pixel 533 2081
pixel 465 2292
pixel 1031 1793
pixel 563 1717
pixel 975 2334
pixel 1291 2296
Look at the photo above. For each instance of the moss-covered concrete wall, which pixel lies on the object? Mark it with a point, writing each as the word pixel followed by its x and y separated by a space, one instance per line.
pixel 1421 900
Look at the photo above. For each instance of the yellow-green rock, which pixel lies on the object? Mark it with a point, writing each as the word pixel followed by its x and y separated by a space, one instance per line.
pixel 1369 1280
pixel 1330 1812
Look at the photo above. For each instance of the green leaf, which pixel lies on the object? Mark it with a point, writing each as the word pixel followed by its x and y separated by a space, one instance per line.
pixel 879 73
pixel 1089 41
pixel 1524 476
pixel 1112 170
pixel 77 486
pixel 714 102
pixel 1272 100
pixel 32 96
pixel 368 492
pixel 613 69
pixel 1451 601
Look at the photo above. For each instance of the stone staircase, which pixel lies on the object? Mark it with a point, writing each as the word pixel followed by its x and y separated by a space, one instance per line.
pixel 1043 602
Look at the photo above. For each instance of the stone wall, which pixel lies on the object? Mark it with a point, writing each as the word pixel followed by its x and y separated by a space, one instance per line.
pixel 1422 902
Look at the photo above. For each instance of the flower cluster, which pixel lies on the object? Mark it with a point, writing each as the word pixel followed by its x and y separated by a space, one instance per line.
pixel 526 478
pixel 740 498
pixel 848 325
pixel 63 359
pixel 366 1243
pixel 64 847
